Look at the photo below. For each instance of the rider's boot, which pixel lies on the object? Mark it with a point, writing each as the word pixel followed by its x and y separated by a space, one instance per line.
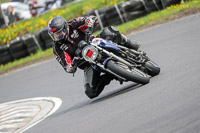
pixel 113 34
pixel 127 42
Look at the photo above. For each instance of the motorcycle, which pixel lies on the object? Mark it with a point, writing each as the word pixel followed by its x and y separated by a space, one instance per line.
pixel 124 63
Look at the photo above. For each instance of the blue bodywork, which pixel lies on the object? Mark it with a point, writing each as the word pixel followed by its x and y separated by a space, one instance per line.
pixel 107 45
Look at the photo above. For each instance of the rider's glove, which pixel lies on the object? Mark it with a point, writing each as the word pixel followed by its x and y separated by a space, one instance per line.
pixel 90 22
pixel 70 68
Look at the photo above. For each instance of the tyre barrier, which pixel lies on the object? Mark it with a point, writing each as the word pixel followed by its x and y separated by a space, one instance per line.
pixel 5 54
pixel 154 5
pixel 112 16
pixel 39 40
pixel 131 6
pixel 133 15
pixel 30 43
pixel 102 16
pixel 129 10
pixel 104 22
pixel 18 48
pixel 122 12
pixel 90 12
pixel 45 38
pixel 167 3
pixel 24 46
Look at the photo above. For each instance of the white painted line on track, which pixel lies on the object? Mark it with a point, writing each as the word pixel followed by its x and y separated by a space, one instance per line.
pixel 26 113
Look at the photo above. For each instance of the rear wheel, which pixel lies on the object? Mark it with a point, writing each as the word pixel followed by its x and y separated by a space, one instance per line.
pixel 128 73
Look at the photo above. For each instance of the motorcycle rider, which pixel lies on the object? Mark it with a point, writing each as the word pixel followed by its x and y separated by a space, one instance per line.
pixel 66 36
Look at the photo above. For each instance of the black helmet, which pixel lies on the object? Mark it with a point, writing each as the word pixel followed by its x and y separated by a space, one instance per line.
pixel 58 28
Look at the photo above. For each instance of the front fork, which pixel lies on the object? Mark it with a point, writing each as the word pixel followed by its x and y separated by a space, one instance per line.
pixel 111 55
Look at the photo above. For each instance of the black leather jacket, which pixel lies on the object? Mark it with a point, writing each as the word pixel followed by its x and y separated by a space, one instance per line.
pixel 65 50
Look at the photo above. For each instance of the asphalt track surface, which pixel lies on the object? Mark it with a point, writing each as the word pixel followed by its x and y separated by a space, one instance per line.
pixel 170 103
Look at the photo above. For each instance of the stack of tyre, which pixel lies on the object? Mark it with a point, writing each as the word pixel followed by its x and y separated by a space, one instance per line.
pixel 108 16
pixel 129 10
pixel 5 54
pixel 120 13
pixel 167 3
pixel 25 46
pixel 102 16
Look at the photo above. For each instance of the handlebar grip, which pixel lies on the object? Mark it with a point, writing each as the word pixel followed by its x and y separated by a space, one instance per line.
pixel 82 44
pixel 78 52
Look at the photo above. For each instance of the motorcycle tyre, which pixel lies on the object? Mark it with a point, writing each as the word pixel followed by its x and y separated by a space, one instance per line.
pixel 152 68
pixel 134 74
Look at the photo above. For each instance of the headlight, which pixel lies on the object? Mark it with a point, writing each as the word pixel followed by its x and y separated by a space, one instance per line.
pixel 90 53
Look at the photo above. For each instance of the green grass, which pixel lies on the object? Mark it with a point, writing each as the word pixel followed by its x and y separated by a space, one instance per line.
pixel 156 17
pixel 68 11
pixel 4 1
pixel 33 57
pixel 159 16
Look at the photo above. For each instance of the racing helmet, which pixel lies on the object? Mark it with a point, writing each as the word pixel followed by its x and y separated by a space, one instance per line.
pixel 58 28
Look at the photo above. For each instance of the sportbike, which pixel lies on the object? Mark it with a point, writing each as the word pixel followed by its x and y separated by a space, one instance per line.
pixel 124 63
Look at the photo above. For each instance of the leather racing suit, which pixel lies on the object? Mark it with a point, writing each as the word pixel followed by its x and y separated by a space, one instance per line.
pixel 65 52
pixel 94 81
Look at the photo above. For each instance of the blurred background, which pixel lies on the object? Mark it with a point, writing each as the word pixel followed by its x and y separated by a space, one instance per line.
pixel 23 23
pixel 22 8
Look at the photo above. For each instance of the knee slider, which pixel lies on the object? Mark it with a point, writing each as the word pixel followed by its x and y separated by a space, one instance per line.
pixel 90 92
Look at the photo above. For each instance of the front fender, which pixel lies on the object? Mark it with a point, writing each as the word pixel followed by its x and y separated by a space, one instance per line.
pixel 106 60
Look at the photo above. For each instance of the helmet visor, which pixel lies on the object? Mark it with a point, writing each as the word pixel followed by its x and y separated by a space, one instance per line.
pixel 59 35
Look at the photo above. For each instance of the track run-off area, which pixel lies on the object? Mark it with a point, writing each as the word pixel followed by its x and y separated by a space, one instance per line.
pixel 170 103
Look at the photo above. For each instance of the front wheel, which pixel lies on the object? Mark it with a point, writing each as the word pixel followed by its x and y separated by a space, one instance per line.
pixel 152 68
pixel 131 74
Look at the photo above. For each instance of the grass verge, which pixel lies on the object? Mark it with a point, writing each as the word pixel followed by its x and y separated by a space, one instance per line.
pixel 4 1
pixel 68 11
pixel 171 13
pixel 33 58
pixel 162 16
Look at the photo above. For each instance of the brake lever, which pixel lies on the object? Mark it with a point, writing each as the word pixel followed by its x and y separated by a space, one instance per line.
pixel 74 68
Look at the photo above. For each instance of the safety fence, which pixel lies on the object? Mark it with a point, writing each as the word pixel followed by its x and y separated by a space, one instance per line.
pixel 118 14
